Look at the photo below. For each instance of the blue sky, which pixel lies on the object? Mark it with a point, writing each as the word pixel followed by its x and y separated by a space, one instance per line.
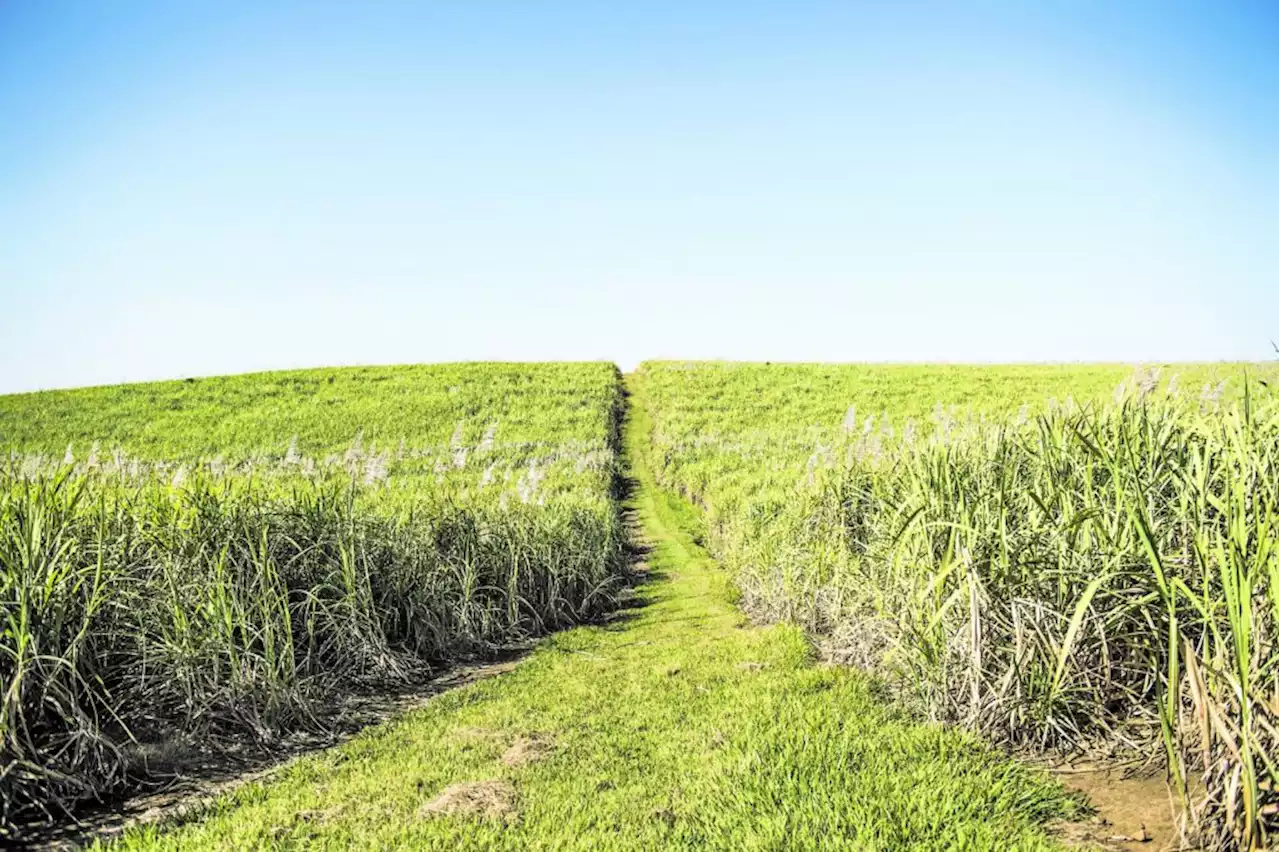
pixel 199 188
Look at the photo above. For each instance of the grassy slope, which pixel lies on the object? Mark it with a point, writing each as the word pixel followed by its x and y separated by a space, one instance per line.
pixel 729 431
pixel 735 397
pixel 664 739
pixel 233 416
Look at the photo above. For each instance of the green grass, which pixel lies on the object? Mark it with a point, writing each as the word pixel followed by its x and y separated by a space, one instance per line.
pixel 428 432
pixel 678 726
pixel 545 404
pixel 724 427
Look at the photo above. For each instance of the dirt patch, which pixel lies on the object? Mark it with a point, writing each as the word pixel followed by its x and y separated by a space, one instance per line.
pixel 750 666
pixel 526 750
pixel 1133 812
pixel 495 800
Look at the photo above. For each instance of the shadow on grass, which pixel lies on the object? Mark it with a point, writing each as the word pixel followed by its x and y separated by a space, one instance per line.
pixel 186 772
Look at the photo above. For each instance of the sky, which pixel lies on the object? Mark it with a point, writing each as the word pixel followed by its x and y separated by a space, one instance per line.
pixel 204 188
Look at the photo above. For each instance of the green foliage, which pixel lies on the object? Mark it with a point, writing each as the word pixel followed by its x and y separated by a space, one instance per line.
pixel 675 727
pixel 1059 574
pixel 150 591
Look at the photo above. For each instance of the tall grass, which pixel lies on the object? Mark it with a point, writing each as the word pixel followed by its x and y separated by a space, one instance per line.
pixel 137 609
pixel 1092 574
pixel 154 598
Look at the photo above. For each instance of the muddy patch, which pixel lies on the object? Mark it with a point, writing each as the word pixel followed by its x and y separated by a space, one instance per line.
pixel 1132 812
pixel 494 800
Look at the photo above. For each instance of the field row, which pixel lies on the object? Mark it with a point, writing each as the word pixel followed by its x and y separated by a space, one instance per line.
pixel 1061 557
pixel 183 562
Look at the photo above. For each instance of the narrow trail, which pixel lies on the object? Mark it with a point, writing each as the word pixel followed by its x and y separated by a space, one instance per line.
pixel 674 726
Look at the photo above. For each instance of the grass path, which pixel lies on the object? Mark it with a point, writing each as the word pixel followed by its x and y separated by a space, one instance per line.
pixel 675 726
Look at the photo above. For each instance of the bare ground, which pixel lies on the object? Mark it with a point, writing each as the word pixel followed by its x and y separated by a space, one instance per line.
pixel 1133 812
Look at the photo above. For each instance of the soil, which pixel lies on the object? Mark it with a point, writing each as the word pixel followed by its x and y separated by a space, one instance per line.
pixel 1138 812
pixel 494 800
pixel 526 750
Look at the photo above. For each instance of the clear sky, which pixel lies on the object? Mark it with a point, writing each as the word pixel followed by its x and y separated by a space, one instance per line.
pixel 198 188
